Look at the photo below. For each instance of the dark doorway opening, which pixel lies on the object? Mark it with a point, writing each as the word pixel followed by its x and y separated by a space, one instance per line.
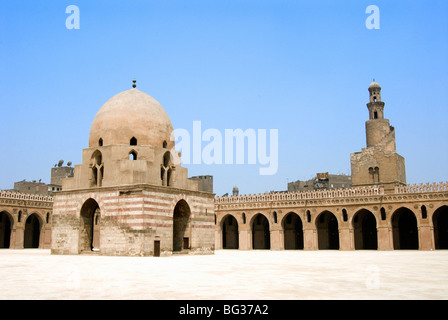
pixel 32 232
pixel 404 228
pixel 440 222
pixel 5 230
pixel 365 232
pixel 327 231
pixel 89 237
pixel 181 220
pixel 230 233
pixel 261 236
pixel 292 232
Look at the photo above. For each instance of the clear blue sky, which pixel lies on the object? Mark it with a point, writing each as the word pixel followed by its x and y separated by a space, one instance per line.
pixel 302 67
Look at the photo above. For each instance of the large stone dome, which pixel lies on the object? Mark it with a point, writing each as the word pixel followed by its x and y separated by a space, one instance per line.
pixel 131 114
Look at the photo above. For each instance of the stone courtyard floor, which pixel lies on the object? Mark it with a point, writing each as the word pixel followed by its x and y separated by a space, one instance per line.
pixel 227 275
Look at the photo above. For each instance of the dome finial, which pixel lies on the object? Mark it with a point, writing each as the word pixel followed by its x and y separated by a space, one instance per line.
pixel 133 83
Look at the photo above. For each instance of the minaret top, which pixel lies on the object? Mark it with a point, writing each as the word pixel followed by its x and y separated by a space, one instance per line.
pixel 134 83
pixel 375 92
pixel 374 85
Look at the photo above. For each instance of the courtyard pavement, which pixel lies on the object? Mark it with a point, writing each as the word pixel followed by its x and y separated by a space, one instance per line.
pixel 228 275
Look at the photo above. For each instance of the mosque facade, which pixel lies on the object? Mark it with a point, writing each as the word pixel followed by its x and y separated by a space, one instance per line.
pixel 129 197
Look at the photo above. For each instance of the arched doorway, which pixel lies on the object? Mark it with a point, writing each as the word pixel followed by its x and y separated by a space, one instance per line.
pixel 5 230
pixel 364 229
pixel 230 233
pixel 327 231
pixel 261 236
pixel 89 237
pixel 32 231
pixel 440 222
pixel 181 226
pixel 404 229
pixel 292 231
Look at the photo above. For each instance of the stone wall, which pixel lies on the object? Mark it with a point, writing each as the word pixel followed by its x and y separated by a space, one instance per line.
pixel 131 219
pixel 423 203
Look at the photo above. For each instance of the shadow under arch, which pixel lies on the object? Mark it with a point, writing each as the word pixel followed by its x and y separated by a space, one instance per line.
pixel 327 231
pixel 261 235
pixel 181 226
pixel 33 227
pixel 89 231
pixel 6 226
pixel 404 229
pixel 292 231
pixel 230 234
pixel 365 230
pixel 440 223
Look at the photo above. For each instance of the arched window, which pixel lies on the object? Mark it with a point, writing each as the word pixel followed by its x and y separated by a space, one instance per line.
pixel 244 218
pixel 374 174
pixel 164 144
pixel 47 219
pixel 424 213
pixel 166 159
pixel 344 215
pixel 19 218
pixel 168 177
pixel 308 216
pixel 383 214
pixel 167 170
pixel 133 155
pixel 133 141
pixel 275 217
pixel 97 169
pixel 100 142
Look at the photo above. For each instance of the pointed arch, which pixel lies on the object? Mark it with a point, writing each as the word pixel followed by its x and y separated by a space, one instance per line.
pixel 261 236
pixel 6 226
pixel 230 234
pixel 89 232
pixel 440 223
pixel 133 155
pixel 365 230
pixel 292 231
pixel 181 226
pixel 327 231
pixel 404 229
pixel 33 227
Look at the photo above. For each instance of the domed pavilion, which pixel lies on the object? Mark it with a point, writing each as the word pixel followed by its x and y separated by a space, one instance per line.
pixel 129 196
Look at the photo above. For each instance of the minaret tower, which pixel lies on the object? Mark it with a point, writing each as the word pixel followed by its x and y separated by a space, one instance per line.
pixel 379 132
pixel 378 163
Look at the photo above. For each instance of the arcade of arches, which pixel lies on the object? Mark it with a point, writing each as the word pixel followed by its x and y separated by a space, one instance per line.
pixel 27 232
pixel 376 226
pixel 25 221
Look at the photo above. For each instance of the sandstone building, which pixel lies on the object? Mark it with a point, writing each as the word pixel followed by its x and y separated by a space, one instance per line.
pixel 378 163
pixel 127 197
pixel 378 212
pixel 25 220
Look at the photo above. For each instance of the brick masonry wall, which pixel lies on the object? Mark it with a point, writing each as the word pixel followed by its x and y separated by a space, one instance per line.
pixel 132 219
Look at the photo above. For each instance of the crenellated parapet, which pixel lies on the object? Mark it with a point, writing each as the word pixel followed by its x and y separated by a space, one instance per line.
pixel 303 195
pixel 24 196
pixel 8 198
pixel 421 188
